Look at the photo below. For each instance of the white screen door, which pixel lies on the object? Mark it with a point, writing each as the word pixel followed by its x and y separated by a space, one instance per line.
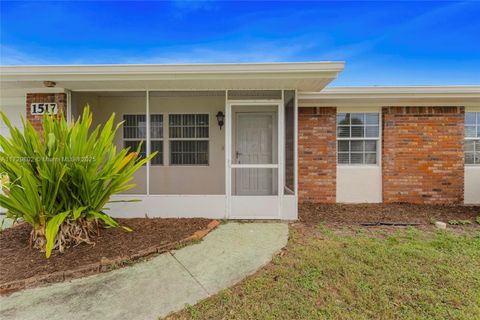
pixel 254 144
pixel 253 173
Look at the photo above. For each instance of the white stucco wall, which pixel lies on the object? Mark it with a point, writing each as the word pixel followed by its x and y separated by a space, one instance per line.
pixel 472 185
pixel 12 103
pixel 359 184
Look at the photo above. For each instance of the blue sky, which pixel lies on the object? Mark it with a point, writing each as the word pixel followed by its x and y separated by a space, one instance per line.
pixel 382 43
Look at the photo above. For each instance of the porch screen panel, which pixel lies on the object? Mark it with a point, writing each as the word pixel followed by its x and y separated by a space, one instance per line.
pixel 129 107
pixel 193 143
pixel 289 98
pixel 254 181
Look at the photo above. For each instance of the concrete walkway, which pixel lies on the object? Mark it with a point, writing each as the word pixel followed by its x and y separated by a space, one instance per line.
pixel 154 288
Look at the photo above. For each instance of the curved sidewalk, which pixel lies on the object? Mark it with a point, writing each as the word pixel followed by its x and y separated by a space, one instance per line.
pixel 154 288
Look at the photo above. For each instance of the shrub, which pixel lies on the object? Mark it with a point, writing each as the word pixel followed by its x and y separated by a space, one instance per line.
pixel 61 181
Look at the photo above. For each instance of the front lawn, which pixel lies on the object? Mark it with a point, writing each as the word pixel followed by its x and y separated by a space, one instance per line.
pixel 358 273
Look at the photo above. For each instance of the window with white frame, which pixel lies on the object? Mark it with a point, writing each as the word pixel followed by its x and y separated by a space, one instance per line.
pixel 189 139
pixel 358 136
pixel 472 138
pixel 156 138
pixel 134 132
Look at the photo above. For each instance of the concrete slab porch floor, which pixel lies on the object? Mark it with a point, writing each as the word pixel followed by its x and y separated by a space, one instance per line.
pixel 154 288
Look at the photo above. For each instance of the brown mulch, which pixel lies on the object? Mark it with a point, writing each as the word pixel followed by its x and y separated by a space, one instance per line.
pixel 374 213
pixel 18 261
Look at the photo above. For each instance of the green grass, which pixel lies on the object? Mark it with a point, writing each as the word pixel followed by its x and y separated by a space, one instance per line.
pixel 402 275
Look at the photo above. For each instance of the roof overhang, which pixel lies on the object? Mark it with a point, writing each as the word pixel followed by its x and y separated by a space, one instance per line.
pixel 391 95
pixel 303 76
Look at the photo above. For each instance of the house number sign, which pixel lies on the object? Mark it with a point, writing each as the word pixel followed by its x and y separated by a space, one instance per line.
pixel 42 108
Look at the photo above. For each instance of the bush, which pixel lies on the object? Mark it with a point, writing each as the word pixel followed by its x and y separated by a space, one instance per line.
pixel 61 181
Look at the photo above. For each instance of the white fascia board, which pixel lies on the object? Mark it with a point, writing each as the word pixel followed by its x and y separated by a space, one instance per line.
pixel 167 71
pixel 392 93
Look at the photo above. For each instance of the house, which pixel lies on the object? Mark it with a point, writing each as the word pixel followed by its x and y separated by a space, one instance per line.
pixel 252 141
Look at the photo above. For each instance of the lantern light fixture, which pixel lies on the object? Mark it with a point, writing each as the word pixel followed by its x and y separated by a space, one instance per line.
pixel 220 119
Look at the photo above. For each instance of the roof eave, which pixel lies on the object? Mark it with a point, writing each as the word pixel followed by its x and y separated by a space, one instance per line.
pixel 16 73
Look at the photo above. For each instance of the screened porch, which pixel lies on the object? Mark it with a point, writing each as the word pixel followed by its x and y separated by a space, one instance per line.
pixel 223 154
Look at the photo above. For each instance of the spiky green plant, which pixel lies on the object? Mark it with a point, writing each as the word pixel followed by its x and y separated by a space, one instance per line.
pixel 60 182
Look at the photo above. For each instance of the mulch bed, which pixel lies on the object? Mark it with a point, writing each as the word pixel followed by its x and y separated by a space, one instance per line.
pixel 396 213
pixel 19 262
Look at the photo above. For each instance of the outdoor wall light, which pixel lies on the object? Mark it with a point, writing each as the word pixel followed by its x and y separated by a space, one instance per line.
pixel 49 84
pixel 220 119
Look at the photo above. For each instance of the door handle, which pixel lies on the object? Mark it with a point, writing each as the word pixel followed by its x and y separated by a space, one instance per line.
pixel 237 155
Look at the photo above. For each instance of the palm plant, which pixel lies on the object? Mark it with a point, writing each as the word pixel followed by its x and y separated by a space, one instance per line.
pixel 61 181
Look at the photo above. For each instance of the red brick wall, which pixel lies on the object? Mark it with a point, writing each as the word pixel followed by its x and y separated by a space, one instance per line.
pixel 36 120
pixel 423 154
pixel 317 159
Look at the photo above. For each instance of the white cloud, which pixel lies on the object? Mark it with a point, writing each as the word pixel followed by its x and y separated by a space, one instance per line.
pixel 12 56
pixel 239 51
pixel 248 52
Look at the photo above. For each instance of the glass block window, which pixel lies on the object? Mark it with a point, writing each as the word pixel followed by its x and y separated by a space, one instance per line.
pixel 134 131
pixel 472 138
pixel 358 136
pixel 189 139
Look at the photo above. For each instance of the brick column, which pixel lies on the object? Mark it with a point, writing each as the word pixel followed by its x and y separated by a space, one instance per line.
pixel 317 158
pixel 36 120
pixel 423 157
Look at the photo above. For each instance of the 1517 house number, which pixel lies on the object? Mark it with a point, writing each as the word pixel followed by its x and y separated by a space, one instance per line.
pixel 42 108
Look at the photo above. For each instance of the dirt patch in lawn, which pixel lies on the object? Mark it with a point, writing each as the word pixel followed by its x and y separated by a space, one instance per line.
pixel 390 213
pixel 20 264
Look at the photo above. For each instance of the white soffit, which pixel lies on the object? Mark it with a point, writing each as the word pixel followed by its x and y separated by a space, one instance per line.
pixel 401 94
pixel 304 76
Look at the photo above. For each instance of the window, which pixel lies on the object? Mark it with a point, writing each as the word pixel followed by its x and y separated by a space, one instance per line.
pixel 472 138
pixel 358 135
pixel 134 131
pixel 189 144
pixel 156 138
